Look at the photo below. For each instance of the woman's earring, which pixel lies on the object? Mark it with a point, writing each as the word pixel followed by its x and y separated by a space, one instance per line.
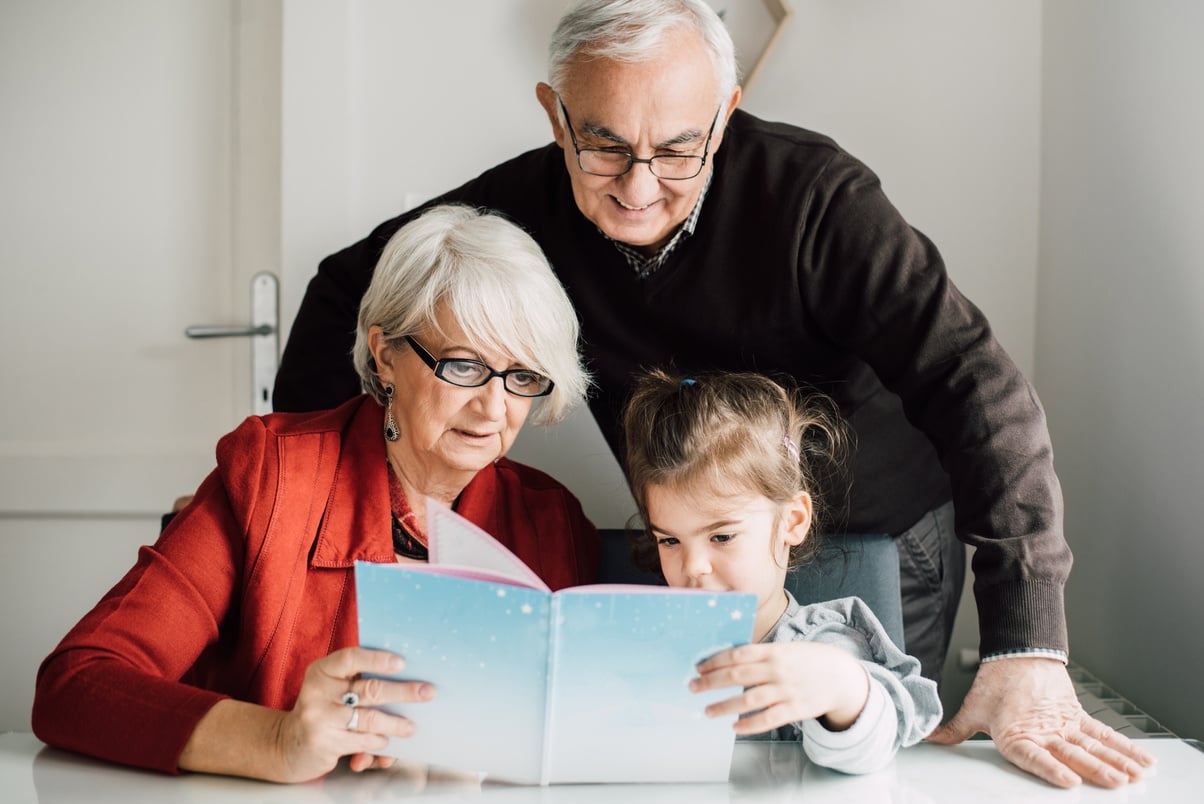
pixel 391 431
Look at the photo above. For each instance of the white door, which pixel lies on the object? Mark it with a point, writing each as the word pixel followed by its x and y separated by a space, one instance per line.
pixel 137 172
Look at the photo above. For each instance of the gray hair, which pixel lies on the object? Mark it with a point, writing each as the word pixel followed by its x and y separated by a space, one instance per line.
pixel 632 30
pixel 498 284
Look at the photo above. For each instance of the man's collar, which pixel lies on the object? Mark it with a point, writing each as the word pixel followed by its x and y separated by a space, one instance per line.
pixel 646 265
pixel 691 220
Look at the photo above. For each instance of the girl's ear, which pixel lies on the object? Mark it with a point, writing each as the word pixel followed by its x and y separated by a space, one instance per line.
pixel 796 519
pixel 382 353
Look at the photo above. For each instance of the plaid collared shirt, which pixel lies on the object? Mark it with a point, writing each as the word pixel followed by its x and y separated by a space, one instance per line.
pixel 643 266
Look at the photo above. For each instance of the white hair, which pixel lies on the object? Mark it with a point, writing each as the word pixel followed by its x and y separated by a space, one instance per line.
pixel 494 280
pixel 632 31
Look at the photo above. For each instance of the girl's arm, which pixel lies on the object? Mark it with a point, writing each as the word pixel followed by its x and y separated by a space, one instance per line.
pixel 835 675
pixel 903 707
pixel 866 745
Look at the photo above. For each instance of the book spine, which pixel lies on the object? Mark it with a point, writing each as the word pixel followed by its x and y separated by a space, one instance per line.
pixel 554 618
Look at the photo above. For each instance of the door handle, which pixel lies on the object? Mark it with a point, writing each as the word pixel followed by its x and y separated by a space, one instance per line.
pixel 218 331
pixel 264 334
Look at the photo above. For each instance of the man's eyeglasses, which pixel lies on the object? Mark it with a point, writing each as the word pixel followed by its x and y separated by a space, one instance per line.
pixel 599 162
pixel 473 373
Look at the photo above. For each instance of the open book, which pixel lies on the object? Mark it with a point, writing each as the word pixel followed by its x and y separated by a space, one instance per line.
pixel 587 684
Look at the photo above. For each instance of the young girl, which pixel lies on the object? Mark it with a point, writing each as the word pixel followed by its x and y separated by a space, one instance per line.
pixel 724 468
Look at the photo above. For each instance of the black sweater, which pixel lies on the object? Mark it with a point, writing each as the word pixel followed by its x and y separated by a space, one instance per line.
pixel 800 266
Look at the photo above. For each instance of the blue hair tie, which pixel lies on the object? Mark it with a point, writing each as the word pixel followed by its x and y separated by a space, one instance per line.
pixel 685 382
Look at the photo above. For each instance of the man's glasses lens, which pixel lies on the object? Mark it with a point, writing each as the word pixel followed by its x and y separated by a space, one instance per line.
pixel 616 163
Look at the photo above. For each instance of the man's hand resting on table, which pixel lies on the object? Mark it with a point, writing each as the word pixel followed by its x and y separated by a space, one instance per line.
pixel 1028 706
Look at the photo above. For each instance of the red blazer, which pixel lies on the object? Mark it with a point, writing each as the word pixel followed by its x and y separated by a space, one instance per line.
pixel 253 581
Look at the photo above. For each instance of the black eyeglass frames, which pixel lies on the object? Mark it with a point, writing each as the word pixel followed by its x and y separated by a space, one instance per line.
pixel 473 373
pixel 612 163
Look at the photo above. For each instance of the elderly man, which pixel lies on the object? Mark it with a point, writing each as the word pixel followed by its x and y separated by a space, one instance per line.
pixel 689 232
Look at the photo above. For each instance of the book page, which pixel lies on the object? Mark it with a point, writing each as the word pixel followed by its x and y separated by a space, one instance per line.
pixel 484 645
pixel 456 542
pixel 620 709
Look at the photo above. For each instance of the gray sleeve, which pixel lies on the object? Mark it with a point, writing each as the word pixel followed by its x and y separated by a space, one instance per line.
pixel 903 707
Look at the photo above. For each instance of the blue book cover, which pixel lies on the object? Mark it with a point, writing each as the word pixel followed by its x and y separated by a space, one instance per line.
pixel 588 684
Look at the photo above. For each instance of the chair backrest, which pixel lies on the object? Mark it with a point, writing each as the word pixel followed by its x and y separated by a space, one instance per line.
pixel 616 566
pixel 861 565
pixel 866 566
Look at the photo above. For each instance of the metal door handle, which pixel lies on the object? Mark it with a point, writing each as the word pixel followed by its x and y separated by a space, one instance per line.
pixel 218 331
pixel 264 334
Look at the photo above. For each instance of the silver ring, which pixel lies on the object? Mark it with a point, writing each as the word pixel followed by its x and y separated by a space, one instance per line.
pixel 355 720
pixel 350 698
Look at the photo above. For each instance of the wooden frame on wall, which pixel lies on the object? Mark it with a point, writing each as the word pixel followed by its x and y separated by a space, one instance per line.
pixel 755 26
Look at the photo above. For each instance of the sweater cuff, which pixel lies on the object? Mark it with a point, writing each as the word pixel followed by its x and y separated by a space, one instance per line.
pixel 1027 653
pixel 1021 615
pixel 867 745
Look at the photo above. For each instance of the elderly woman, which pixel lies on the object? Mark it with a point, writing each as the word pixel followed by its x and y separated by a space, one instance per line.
pixel 229 647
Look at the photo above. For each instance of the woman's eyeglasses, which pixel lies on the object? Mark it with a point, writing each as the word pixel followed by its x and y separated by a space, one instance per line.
pixel 473 373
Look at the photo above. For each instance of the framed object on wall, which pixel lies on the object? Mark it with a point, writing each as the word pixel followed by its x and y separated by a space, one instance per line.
pixel 755 26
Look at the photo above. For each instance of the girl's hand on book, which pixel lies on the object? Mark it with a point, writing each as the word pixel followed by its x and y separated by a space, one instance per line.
pixel 333 717
pixel 785 682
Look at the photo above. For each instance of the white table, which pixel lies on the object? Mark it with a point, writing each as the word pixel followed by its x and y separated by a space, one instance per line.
pixel 761 772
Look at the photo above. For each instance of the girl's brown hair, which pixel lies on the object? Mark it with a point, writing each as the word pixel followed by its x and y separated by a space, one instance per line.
pixel 729 432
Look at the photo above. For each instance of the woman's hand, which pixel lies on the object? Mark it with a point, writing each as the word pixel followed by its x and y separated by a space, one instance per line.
pixel 788 682
pixel 243 739
pixel 321 728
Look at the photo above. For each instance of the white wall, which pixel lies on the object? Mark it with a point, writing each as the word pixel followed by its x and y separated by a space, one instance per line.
pixel 1120 338
pixel 942 100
